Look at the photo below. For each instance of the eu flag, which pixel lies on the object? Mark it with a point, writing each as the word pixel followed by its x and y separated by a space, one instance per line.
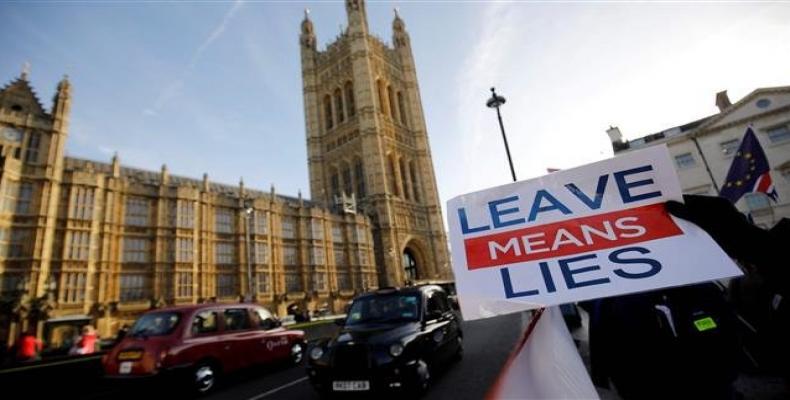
pixel 749 171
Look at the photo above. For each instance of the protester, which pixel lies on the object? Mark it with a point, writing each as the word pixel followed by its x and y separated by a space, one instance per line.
pixel 85 343
pixel 681 342
pixel 28 348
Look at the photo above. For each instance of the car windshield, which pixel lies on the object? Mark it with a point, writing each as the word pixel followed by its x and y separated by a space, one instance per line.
pixel 155 324
pixel 384 308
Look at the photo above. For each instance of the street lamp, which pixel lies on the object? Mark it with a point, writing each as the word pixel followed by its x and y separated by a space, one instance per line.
pixel 249 212
pixel 495 102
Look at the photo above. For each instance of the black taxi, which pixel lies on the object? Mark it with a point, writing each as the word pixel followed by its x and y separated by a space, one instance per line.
pixel 391 339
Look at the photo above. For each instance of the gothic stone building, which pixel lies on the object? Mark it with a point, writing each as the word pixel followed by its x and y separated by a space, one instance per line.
pixel 85 241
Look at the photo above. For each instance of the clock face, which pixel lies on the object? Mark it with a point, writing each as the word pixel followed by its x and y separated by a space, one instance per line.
pixel 12 134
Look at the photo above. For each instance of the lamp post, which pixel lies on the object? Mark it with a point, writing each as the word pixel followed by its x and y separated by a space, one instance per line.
pixel 495 102
pixel 249 212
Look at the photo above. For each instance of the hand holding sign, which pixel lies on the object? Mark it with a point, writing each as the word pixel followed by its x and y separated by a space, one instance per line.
pixel 589 232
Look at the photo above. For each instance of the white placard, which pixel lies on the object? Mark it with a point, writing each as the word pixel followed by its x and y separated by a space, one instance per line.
pixel 594 231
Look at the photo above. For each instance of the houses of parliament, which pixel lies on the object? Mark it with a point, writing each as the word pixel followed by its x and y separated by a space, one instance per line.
pixel 84 241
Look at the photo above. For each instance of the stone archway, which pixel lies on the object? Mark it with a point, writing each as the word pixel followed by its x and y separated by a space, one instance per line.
pixel 413 263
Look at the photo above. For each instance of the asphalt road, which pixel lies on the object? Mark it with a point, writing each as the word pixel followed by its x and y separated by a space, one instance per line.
pixel 487 344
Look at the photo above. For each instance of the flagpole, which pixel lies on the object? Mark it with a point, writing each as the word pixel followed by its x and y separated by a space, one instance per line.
pixel 705 162
pixel 494 102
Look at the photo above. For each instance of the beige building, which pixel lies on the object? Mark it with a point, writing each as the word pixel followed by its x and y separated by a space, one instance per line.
pixel 86 241
pixel 367 140
pixel 703 149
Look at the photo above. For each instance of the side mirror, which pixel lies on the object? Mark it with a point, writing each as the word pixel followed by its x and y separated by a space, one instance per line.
pixel 270 323
pixel 454 304
pixel 340 322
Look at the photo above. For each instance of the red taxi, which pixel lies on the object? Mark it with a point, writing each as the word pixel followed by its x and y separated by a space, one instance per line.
pixel 199 342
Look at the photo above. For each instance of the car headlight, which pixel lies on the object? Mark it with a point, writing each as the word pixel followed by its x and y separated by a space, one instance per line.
pixel 316 353
pixel 396 349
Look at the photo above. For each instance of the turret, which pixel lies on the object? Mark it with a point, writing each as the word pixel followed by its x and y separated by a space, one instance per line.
pixel 307 37
pixel 400 38
pixel 357 16
pixel 61 105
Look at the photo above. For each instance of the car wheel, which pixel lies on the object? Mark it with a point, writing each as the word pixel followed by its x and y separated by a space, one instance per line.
pixel 297 353
pixel 459 352
pixel 204 377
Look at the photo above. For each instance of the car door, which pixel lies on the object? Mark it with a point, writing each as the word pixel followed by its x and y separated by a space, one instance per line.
pixel 437 325
pixel 272 342
pixel 238 338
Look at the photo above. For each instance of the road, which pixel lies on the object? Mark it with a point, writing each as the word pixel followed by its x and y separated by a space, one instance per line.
pixel 487 344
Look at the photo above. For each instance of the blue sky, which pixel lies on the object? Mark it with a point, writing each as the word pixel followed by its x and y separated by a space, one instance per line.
pixel 216 87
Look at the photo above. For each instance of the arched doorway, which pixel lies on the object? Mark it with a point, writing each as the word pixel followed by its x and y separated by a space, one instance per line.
pixel 410 265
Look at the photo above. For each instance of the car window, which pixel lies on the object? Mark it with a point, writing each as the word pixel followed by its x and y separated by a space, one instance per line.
pixel 237 319
pixel 265 318
pixel 155 324
pixel 384 308
pixel 204 322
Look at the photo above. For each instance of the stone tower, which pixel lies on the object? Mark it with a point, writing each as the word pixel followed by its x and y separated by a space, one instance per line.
pixel 367 143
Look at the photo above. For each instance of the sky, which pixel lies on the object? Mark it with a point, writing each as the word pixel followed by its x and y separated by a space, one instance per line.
pixel 216 86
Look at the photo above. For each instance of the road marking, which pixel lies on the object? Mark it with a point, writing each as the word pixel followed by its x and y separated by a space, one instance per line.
pixel 277 389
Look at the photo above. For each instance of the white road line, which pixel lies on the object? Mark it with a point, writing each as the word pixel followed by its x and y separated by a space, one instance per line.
pixel 277 389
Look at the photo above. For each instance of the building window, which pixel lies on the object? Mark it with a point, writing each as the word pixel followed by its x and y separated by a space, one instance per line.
pixel 8 196
pixel 224 253
pixel 184 284
pixel 414 182
pixel 261 223
pixel 402 108
pixel 363 257
pixel 359 173
pixel 779 134
pixel 339 106
pixel 224 220
pixel 264 283
pixel 288 228
pixel 348 185
pixel 335 184
pixel 4 237
pixel 289 255
pixel 227 285
pixel 185 251
pixel 73 287
pixel 186 214
pixel 78 246
pixel 344 280
pixel 20 244
pixel 360 235
pixel 135 250
pixel 293 280
pixel 406 185
pixel 340 258
pixel 317 229
pixel 729 147
pixel 757 201
pixel 261 253
pixel 319 281
pixel 10 282
pixel 317 256
pixel 82 203
pixel 350 106
pixel 380 91
pixel 33 144
pixel 328 112
pixel 134 287
pixel 391 103
pixel 337 233
pixel 137 211
pixel 393 177
pixel 25 197
pixel 685 160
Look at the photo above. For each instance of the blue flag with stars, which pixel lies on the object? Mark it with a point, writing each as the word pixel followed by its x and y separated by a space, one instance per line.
pixel 749 171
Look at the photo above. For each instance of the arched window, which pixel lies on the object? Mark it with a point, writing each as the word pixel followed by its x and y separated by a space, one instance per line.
pixel 335 183
pixel 414 184
pixel 402 109
pixel 404 179
pixel 350 106
pixel 410 265
pixel 328 111
pixel 348 185
pixel 380 90
pixel 393 177
pixel 359 173
pixel 339 106
pixel 391 102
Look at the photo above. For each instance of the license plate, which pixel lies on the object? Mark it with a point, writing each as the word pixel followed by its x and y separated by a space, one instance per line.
pixel 130 355
pixel 350 386
pixel 125 368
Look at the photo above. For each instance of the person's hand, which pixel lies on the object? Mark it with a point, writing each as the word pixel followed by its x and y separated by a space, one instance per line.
pixel 739 238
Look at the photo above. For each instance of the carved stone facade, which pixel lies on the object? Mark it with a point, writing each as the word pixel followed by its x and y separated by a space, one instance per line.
pixel 366 138
pixel 90 242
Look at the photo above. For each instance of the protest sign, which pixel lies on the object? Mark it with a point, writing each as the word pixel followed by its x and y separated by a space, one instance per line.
pixel 594 231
